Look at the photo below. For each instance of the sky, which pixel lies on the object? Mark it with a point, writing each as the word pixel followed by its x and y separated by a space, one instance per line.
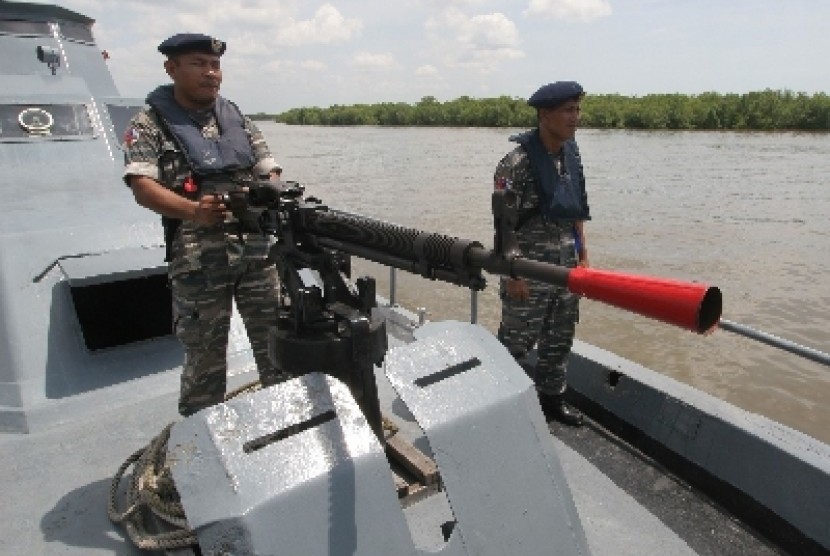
pixel 285 54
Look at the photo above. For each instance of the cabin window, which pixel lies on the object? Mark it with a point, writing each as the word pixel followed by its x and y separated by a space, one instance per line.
pixel 25 28
pixel 121 312
pixel 120 117
pixel 77 32
pixel 26 121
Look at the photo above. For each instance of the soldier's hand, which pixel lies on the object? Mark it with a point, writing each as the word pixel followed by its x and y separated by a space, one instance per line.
pixel 517 289
pixel 210 210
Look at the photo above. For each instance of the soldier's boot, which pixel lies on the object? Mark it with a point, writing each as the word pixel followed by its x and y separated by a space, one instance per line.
pixel 554 407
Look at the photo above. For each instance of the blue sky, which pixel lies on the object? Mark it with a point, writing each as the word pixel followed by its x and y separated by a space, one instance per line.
pixel 289 53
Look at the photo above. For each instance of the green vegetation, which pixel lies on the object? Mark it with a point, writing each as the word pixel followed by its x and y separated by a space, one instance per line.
pixel 765 110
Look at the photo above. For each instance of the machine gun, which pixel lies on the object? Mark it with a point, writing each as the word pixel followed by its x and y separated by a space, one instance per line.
pixel 325 321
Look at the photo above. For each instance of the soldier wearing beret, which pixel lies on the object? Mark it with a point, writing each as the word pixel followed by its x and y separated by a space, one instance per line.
pixel 187 147
pixel 545 171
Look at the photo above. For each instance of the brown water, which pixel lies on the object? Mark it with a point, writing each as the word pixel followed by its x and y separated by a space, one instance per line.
pixel 747 212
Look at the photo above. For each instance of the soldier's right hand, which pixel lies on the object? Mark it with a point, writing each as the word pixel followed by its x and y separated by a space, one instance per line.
pixel 517 289
pixel 210 210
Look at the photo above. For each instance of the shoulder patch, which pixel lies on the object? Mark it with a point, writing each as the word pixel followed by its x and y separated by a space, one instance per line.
pixel 131 136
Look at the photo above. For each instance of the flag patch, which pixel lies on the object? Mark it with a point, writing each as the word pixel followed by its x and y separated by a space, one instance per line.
pixel 130 136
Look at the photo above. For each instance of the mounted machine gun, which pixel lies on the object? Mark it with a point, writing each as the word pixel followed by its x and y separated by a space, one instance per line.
pixel 325 322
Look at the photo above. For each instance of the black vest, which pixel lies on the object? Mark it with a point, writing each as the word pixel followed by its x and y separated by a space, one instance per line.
pixel 230 151
pixel 561 193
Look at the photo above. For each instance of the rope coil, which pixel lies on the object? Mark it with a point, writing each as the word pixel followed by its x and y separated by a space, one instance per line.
pixel 152 491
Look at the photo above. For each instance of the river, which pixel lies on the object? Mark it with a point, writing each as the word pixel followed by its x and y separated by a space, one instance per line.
pixel 747 212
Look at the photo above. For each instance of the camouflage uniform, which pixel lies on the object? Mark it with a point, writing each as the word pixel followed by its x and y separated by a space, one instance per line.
pixel 550 314
pixel 209 268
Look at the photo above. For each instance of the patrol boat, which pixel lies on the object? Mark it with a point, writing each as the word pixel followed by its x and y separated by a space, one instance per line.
pixel 90 379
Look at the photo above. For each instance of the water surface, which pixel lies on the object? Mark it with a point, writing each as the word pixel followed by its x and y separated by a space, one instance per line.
pixel 747 212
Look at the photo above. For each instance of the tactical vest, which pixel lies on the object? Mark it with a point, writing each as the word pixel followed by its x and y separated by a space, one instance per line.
pixel 208 158
pixel 230 151
pixel 561 191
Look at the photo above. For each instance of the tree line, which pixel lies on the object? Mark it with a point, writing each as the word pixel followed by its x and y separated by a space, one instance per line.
pixel 763 110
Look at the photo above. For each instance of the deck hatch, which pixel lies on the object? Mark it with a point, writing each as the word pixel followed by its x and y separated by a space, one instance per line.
pixel 120 297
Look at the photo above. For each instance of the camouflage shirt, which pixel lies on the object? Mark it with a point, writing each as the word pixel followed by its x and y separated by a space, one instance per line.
pixel 515 172
pixel 147 145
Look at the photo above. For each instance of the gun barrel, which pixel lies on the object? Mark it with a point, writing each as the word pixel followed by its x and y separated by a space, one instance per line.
pixel 690 305
pixel 431 255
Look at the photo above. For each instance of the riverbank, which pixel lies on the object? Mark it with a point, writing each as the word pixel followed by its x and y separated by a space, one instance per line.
pixel 743 211
pixel 769 110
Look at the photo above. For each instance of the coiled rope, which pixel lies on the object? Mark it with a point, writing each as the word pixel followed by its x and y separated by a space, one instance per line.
pixel 152 490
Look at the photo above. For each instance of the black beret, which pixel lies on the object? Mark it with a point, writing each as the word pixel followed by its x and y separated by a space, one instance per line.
pixel 554 94
pixel 192 42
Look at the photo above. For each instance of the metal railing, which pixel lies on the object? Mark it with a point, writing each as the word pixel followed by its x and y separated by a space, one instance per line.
pixel 393 294
pixel 728 325
pixel 775 341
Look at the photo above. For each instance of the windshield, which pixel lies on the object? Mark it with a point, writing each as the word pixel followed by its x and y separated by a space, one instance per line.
pixel 26 121
pixel 120 117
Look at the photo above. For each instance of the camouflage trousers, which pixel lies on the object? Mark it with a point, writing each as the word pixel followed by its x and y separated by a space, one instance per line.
pixel 202 305
pixel 547 319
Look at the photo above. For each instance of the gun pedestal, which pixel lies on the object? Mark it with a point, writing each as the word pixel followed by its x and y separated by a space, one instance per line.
pixel 334 338
pixel 327 326
pixel 293 468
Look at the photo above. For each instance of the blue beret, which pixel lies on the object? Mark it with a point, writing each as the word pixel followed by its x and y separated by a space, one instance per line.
pixel 554 94
pixel 192 42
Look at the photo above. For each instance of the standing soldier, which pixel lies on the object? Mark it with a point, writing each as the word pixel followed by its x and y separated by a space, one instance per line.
pixel 184 149
pixel 545 171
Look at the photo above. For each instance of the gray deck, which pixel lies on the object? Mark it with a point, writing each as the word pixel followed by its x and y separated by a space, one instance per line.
pixel 70 414
pixel 56 484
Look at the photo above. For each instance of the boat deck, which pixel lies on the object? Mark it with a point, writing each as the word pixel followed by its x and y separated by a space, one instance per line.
pixel 631 505
pixel 56 484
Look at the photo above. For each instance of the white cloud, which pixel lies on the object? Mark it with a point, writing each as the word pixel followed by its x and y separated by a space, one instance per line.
pixel 311 65
pixel 434 4
pixel 571 10
pixel 481 42
pixel 458 47
pixel 374 61
pixel 490 31
pixel 242 14
pixel 287 66
pixel 427 70
pixel 327 26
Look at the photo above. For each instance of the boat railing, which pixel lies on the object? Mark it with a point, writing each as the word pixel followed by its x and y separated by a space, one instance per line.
pixel 728 325
pixel 775 341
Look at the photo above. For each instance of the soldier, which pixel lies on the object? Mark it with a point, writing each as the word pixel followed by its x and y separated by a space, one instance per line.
pixel 185 147
pixel 545 170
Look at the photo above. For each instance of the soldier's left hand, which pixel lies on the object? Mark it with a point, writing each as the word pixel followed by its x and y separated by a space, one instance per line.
pixel 210 210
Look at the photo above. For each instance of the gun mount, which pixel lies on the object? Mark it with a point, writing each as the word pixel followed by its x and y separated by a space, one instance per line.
pixel 326 327
pixel 325 321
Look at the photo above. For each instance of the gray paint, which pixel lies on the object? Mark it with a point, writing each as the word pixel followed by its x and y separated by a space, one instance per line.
pixel 781 468
pixel 75 226
pixel 69 417
pixel 503 478
pixel 328 489
pixel 123 264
